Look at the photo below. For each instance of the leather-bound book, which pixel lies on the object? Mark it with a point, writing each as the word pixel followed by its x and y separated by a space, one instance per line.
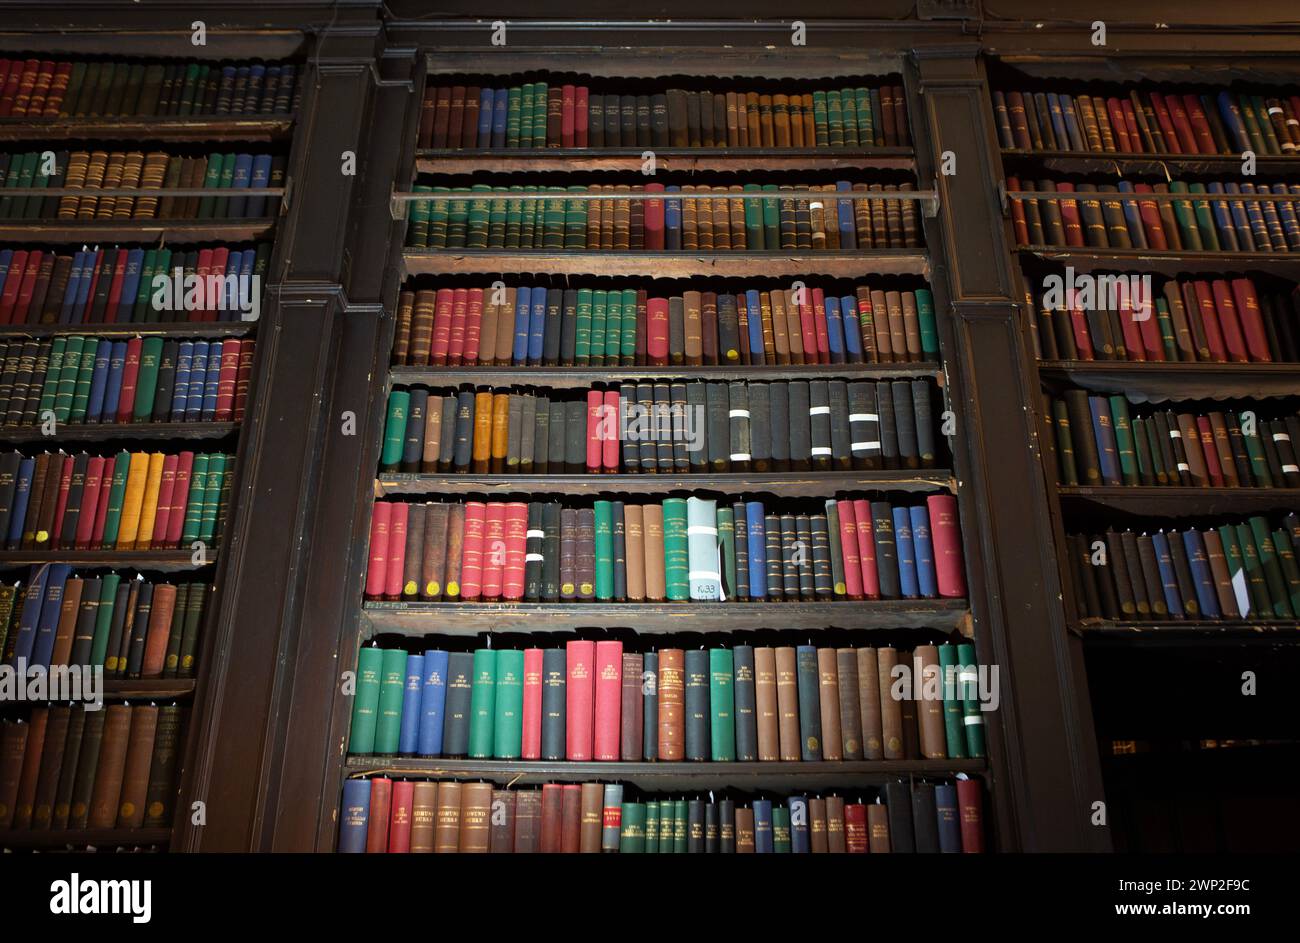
pixel 828 692
pixel 767 704
pixel 898 801
pixel 788 703
pixel 447 822
pixel 948 827
pixel 585 554
pixel 808 702
pixel 930 710
pixel 568 553
pixel 608 683
pixel 671 706
pixel 970 805
pixel 554 701
pixel 855 828
pixel 570 818
pixel 381 804
pixel 655 562
pixel 695 827
pixel 423 817
pixel 135 774
pixel 648 687
pixel 580 658
pixel 745 844
pixel 878 828
pixel 51 758
pixel 945 533
pixel 776 552
pixel 696 705
pixel 591 798
pixel 891 709
pixel 528 810
pixel 745 704
pixel 631 708
pixel 552 821
pixel 111 768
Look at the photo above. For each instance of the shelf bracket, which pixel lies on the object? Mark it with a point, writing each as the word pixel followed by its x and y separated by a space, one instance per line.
pixel 930 205
pixel 396 206
pixel 1002 198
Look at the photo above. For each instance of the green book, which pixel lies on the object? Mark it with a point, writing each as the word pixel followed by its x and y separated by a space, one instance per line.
pixel 866 127
pixel 1205 220
pixel 68 378
pixel 676 551
pixel 679 828
pixel 1124 439
pixel 604 550
pixel 771 219
pixel 70 95
pixel 211 181
pixel 837 549
pixel 194 501
pixel 575 221
pixel 109 583
pixel 1256 585
pixel 582 330
pixel 53 369
pixel 190 637
pixel 176 632
pixel 1168 339
pixel 528 219
pixel 439 214
pixel 477 219
pixel 632 829
pixel 392 691
pixel 1272 567
pixel 514 115
pixel 553 222
pixel 754 219
pixel 834 119
pixel 820 126
pixel 722 704
pixel 26 170
pixel 212 497
pixel 627 331
pixel 727 549
pixel 146 384
pixel 417 233
pixel 652 827
pixel 7 596
pixel 482 703
pixel 1290 568
pixel 1266 125
pixel 1258 461
pixel 599 307
pixel 497 218
pixel 953 712
pixel 614 328
pixel 526 98
pixel 514 219
pixel 399 404
pixel 365 701
pixel 457 221
pixel 973 716
pixel 142 303
pixel 849 109
pixel 116 495
pixel 1186 219
pixel 781 843
pixel 925 318
pixel 508 729
pixel 540 91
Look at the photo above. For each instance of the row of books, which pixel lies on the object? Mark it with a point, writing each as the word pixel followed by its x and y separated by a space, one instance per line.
pixel 577 326
pixel 1098 442
pixel 664 427
pixel 1231 571
pixel 1149 122
pixel 1210 221
pixel 136 170
pixel 1190 320
pixel 130 501
pixel 595 700
pixel 131 627
pixel 682 549
pixel 403 816
pixel 456 219
pixel 67 767
pixel 117 284
pixel 82 380
pixel 44 88
pixel 536 114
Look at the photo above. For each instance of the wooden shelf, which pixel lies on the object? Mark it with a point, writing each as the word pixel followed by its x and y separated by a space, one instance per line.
pixel 1176 631
pixel 571 378
pixel 1158 382
pixel 664 264
pixel 468 618
pixel 164 561
pixel 520 160
pixel 147 689
pixel 107 432
pixel 132 329
pixel 1082 259
pixel 1180 501
pixel 260 128
pixel 80 837
pixel 72 232
pixel 786 484
pixel 689 777
pixel 1085 162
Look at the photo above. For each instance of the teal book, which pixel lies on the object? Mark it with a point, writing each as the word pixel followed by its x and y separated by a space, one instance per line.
pixel 68 378
pixel 508 728
pixel 722 704
pixel 365 701
pixel 631 834
pixel 676 550
pixel 582 334
pixel 781 843
pixel 953 714
pixel 974 717
pixel 599 306
pixel 614 327
pixel 604 512
pixel 392 691
pixel 652 827
pixel 929 330
pixel 399 405
pixel 627 342
pixel 482 703
pixel 109 583
pixel 679 828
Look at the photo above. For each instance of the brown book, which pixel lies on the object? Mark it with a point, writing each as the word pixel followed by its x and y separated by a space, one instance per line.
pixel 1192 449
pixel 552 823
pixel 47 778
pixel 787 701
pixel 159 630
pixel 503 821
pixel 817 843
pixel 475 818
pixel 570 818
pixel 850 708
pixel 781 120
pixel 655 577
pixel 1223 587
pixel 925 673
pixel 877 828
pixel 432 435
pixel 455 546
pixel 592 807
pixel 13 748
pixel 765 704
pixel 135 770
pixel 433 555
pixel 66 631
pixel 481 448
pixel 422 327
pixel 500 433
pixel 635 549
pixel 672 707
pixel 632 709
pixel 752 119
pixel 503 351
pixel 112 766
pixel 744 831
pixel 693 323
pixel 67 772
pixel 424 815
pixel 446 829
pixel 1223 449
pixel 891 709
pixel 869 704
pixel 528 817
pixel 402 330
pixel 828 686
pixel 836 835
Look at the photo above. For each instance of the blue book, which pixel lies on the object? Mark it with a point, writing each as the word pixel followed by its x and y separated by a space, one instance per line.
pixel 211 378
pixel 48 625
pixel 800 842
pixel 537 327
pixel 1290 224
pixel 672 220
pixel 1258 227
pixel 1058 121
pixel 354 820
pixel 834 329
pixel 755 318
pixel 523 308
pixel 848 234
pixel 486 110
pixel 923 548
pixel 73 286
pixel 500 108
pixel 33 598
pixel 1104 433
pixel 92 261
pixel 945 803
pixel 1168 577
pixel 1240 222
pixel 256 86
pixel 1133 218
pixel 408 733
pixel 763 839
pixel 287 71
pixel 198 375
pixel 99 381
pixel 432 701
pixel 130 282
pixel 1223 224
pixel 22 495
pixel 260 179
pixel 6 258
pixel 113 386
pixel 757 549
pixel 181 390
pixel 1232 122
pixel 1199 561
pixel 250 292
pixel 241 179
pixel 907 583
pixel 852 328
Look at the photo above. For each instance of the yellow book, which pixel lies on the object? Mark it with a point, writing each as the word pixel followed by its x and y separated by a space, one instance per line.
pixel 149 511
pixel 137 475
pixel 482 443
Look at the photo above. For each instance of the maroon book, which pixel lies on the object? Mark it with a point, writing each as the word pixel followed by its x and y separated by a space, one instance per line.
pixel 945 532
pixel 399 828
pixel 631 712
pixel 381 797
pixel 608 697
pixel 571 818
pixel 970 808
pixel 552 818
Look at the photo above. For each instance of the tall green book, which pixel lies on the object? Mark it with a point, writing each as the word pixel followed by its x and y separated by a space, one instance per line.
pixel 1168 338
pixel 86 373
pixel 477 219
pixel 1185 216
pixel 1123 428
pixel 109 583
pixel 1260 605
pixel 212 497
pixel 68 378
pixel 399 404
pixel 866 126
pixel 392 690
pixel 417 232
pixel 727 550
pixel 1272 567
pixel 754 219
pixel 925 317
pixel 614 328
pixel 540 91
pixel 680 820
pixel 599 307
pixel 457 220
pixel 781 843
pixel 676 549
pixel 666 821
pixel 365 701
pixel 953 713
pixel 771 218
pixel 1205 219
pixel 53 370
pixel 627 331
pixel 973 716
pixel 439 214
pixel 146 383
pixel 482 703
pixel 116 495
pixel 722 704
pixel 575 220
pixel 553 222
pixel 582 331
pixel 632 828
pixel 821 128
pixel 1290 568
pixel 514 114
pixel 604 512
pixel 211 181
pixel 525 115
pixel 1258 461
pixel 508 725
pixel 194 501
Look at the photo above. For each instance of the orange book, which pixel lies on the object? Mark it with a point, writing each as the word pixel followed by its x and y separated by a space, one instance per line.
pixel 482 446
pixel 137 475
pixel 159 630
pixel 149 504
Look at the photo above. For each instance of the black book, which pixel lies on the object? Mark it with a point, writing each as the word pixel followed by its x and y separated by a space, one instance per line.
pixel 447 443
pixel 557 437
pixel 924 423
pixel 553 326
pixel 803 557
pixel 541 434
pixel 905 424
pixel 627 120
pixel 554 674
pixel 663 405
pixel 899 801
pixel 693 119
pixel 620 551
pixel 697 426
pixel 695 824
pixel 726 827
pixel 1118 570
pixel 533 553
pixel 613 123
pixel 738 426
pixel 464 434
pixel 789 536
pixel 698 716
pixel 819 421
pixel 778 396
pixel 800 427
pixel 135 651
pixel 551 551
pixel 676 330
pixel 742 550
pixel 645 400
pixel 644 134
pixel 882 522
pixel 746 719
pixel 711 836
pixel 925 818
pixel 87 614
pixel 823 571
pixel 122 611
pixel 413 449
pixel 718 436
pixel 864 425
pixel 631 446
pixel 527 433
pixel 728 320
pixel 1137 579
pixel 162 399
pixel 595 121
pixel 681 450
pixel 72 511
pixel 838 396
pixel 9 464
pixel 810 718
pixel 706 118
pixel 888 425
pixel 455 724
pixel 659 120
pixel 772 548
pixel 569 326
pixel 760 427
pixel 650 706
pixel 575 436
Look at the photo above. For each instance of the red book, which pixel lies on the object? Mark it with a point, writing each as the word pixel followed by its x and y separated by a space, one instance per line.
pixel 10 88
pixel 166 494
pixel 101 512
pixel 444 301
pixel 609 699
pixel 1210 320
pixel 27 286
pixel 532 712
pixel 642 325
pixel 1142 311
pixel 580 115
pixel 866 549
pixel 594 429
pixel 579 697
pixel 808 329
pixel 473 326
pixel 401 514
pixel 226 377
pixel 1166 123
pixel 609 443
pixel 970 809
pixel 115 287
pixel 441 117
pixel 516 534
pixel 1019 121
pixel 1118 127
pixel 945 532
pixel 1130 122
pixel 1182 126
pixel 1212 467
pixel 494 550
pixel 1070 217
pixel 243 378
pixel 1234 340
pixel 9 297
pixel 1151 224
pixel 570 818
pixel 819 326
pixel 61 504
pixel 568 99
pixel 654 218
pixel 456 335
pixel 849 547
pixel 657 331
pixel 58 89
pixel 1018 224
pixel 130 371
pixel 399 828
pixel 208 294
pixel 855 828
pixel 1131 331
pixel 552 819
pixel 471 566
pixel 1082 340
pixel 90 501
pixel 180 498
pixel 381 797
pixel 1203 136
pixel 1252 322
